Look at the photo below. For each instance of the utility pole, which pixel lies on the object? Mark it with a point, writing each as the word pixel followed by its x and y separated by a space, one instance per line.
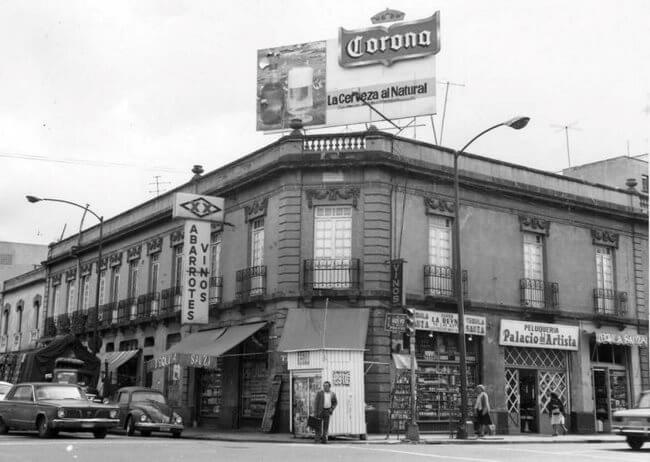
pixel 158 184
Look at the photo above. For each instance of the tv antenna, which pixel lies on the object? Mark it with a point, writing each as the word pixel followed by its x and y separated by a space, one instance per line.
pixel 158 184
pixel 566 128
pixel 447 84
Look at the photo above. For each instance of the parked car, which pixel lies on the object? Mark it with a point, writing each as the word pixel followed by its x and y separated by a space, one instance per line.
pixel 147 411
pixel 4 388
pixel 634 424
pixel 53 407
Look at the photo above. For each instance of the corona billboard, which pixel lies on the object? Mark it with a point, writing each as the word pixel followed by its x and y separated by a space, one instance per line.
pixel 332 82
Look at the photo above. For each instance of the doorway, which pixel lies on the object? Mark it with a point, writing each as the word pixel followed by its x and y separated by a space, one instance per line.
pixel 528 397
pixel 601 400
pixel 304 385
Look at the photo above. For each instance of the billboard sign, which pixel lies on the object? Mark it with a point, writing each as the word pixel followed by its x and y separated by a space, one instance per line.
pixel 327 83
pixel 196 275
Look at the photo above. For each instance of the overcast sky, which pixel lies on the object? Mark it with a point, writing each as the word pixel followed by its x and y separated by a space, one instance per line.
pixel 99 97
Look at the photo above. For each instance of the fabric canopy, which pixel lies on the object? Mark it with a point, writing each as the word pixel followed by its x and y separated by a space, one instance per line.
pixel 202 349
pixel 325 329
pixel 114 359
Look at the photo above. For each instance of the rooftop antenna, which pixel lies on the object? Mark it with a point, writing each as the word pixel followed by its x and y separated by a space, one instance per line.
pixel 158 184
pixel 447 84
pixel 63 232
pixel 566 129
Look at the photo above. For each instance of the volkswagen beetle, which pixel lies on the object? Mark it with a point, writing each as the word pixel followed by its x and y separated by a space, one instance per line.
pixel 145 410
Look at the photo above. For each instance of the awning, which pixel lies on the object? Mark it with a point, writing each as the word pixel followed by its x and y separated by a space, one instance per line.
pixel 201 349
pixel 114 359
pixel 325 329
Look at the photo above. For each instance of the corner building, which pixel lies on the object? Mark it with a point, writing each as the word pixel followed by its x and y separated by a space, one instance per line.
pixel 311 224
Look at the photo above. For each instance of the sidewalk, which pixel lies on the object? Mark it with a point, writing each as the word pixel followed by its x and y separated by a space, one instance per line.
pixel 259 437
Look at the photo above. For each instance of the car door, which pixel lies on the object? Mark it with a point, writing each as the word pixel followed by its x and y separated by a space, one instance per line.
pixel 123 403
pixel 23 414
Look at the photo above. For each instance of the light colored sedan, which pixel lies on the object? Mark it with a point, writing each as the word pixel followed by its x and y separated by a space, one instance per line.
pixel 4 388
pixel 634 424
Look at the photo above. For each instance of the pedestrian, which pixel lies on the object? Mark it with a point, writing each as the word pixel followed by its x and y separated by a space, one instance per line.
pixel 482 411
pixel 555 409
pixel 324 406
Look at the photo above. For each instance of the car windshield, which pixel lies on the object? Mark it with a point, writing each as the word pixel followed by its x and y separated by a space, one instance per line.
pixel 148 396
pixel 645 400
pixel 59 392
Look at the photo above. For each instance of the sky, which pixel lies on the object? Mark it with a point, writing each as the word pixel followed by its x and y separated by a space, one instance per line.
pixel 99 100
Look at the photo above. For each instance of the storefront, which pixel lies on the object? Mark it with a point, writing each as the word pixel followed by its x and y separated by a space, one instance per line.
pixel 438 366
pixel 611 365
pixel 326 345
pixel 536 360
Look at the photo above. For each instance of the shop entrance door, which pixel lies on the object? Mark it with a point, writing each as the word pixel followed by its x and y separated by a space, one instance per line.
pixel 601 400
pixel 528 400
pixel 304 385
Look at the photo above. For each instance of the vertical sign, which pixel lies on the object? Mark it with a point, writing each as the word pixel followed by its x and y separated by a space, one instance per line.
pixel 196 277
pixel 396 282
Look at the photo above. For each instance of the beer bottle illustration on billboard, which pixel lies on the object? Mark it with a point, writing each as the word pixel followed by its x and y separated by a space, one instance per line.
pixel 300 100
pixel 272 94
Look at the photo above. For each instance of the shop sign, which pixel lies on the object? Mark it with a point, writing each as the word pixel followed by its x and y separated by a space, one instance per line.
pixel 395 323
pixel 201 361
pixel 197 207
pixel 196 277
pixel 396 282
pixel 621 339
pixel 341 378
pixel 448 322
pixel 538 335
pixel 303 358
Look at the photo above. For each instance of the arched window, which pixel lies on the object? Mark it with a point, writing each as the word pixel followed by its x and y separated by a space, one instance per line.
pixel 19 311
pixel 37 311
pixel 5 319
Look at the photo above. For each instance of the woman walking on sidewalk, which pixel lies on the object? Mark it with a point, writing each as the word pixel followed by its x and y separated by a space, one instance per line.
pixel 482 411
pixel 556 410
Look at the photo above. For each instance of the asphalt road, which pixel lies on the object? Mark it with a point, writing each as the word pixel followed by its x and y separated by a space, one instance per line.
pixel 81 448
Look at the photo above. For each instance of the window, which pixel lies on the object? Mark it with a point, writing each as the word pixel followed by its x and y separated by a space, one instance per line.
pixel 215 255
pixel 124 398
pixel 5 320
pixel 177 266
pixel 154 265
pixel 534 270
pixel 85 291
pixel 37 312
pixel 6 259
pixel 115 284
pixel 23 393
pixel 110 347
pixel 133 279
pixel 440 241
pixel 257 242
pixel 332 247
pixel 644 183
pixel 149 342
pixel 127 345
pixel 19 310
pixel 102 287
pixel 70 294
pixel 605 279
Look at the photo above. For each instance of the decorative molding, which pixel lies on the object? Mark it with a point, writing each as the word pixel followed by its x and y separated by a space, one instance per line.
pixel 134 253
pixel 86 269
pixel 56 279
pixel 103 264
pixel 154 245
pixel 115 259
pixel 534 225
pixel 333 194
pixel 257 209
pixel 71 274
pixel 605 238
pixel 437 206
pixel 176 238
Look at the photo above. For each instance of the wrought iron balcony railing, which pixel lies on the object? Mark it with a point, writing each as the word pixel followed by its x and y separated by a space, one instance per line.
pixel 148 306
pixel 536 293
pixel 216 289
pixel 170 300
pixel 125 310
pixel 251 282
pixel 331 274
pixel 439 281
pixel 609 302
pixel 107 314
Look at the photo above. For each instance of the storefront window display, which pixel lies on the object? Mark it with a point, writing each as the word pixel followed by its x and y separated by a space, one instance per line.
pixel 254 375
pixel 610 380
pixel 211 391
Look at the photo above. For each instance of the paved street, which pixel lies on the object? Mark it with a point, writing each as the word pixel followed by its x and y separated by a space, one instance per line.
pixel 27 447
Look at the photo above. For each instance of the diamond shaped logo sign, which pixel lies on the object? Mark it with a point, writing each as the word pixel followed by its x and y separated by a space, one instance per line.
pixel 197 207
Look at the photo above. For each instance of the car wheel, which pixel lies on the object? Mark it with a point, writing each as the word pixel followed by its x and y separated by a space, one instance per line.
pixel 176 434
pixel 130 426
pixel 100 434
pixel 634 443
pixel 4 429
pixel 145 432
pixel 43 428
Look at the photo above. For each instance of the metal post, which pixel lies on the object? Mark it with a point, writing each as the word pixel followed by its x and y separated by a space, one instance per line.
pixel 412 431
pixel 99 264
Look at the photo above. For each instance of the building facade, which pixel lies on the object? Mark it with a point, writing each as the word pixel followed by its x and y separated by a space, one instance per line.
pixel 554 276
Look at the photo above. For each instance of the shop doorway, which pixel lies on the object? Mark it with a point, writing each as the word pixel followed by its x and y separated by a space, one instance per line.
pixel 601 400
pixel 528 396
pixel 304 387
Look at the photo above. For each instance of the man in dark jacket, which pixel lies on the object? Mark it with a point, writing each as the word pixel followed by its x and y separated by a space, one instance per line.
pixel 323 407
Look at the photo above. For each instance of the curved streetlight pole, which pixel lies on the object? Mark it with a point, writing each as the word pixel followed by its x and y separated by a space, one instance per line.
pixel 517 123
pixel 34 199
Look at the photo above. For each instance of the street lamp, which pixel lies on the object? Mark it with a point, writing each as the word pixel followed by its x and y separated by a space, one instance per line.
pixel 34 199
pixel 517 123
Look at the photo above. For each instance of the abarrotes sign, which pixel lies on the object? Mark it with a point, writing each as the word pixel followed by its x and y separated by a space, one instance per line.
pixel 199 212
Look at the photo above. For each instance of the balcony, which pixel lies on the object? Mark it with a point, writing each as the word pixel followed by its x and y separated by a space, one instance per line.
pixel 107 313
pixel 439 281
pixel 126 310
pixel 251 283
pixel 216 289
pixel 331 274
pixel 170 301
pixel 608 302
pixel 536 293
pixel 148 306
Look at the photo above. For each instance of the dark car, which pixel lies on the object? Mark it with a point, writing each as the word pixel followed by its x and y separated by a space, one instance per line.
pixel 634 424
pixel 53 407
pixel 146 410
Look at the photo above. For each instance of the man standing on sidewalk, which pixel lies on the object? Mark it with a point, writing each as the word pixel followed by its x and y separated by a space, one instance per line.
pixel 324 406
